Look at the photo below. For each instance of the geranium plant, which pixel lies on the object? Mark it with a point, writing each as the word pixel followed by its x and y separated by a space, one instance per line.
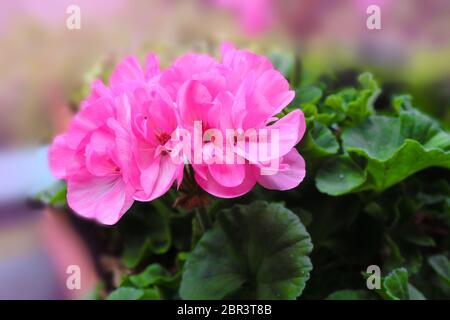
pixel 218 178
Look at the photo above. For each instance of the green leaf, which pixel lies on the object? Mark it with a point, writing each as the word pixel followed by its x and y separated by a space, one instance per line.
pixel 126 293
pixel 257 251
pixel 350 295
pixel 331 111
pixel 151 294
pixel 129 293
pixel 339 175
pixel 414 293
pixel 350 106
pixel 310 111
pixel 395 285
pixel 402 103
pixel 307 94
pixel 305 216
pixel 360 108
pixel 393 149
pixel 146 231
pixel 441 265
pixel 421 240
pixel 153 274
pixel 319 142
pixel 55 195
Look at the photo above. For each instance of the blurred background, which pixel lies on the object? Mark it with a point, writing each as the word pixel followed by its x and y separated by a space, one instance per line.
pixel 46 69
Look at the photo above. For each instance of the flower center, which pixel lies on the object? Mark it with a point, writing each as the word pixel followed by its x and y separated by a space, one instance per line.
pixel 163 138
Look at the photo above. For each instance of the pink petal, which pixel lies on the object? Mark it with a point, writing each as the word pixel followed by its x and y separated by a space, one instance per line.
pixel 290 176
pixel 151 66
pixel 194 101
pixel 59 156
pixel 99 164
pixel 104 199
pixel 220 116
pixel 89 119
pixel 258 110
pixel 98 90
pixel 209 184
pixel 166 175
pixel 243 61
pixel 128 70
pixel 290 130
pixel 228 175
pixel 275 88
pixel 184 69
pixel 149 175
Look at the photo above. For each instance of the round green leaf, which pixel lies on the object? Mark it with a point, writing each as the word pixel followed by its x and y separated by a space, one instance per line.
pixel 339 175
pixel 257 251
pixel 394 149
pixel 310 94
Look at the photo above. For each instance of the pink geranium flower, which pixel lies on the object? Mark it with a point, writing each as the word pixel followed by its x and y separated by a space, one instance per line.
pixel 124 144
pixel 95 158
pixel 241 92
pixel 98 155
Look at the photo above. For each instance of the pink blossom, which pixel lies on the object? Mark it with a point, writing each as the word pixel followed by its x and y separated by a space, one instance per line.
pixel 95 158
pixel 98 155
pixel 123 145
pixel 241 92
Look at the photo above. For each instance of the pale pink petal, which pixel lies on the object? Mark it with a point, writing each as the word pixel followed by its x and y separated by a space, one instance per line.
pixel 167 173
pixel 98 90
pixel 151 66
pixel 243 61
pixel 184 69
pixel 59 156
pixel 228 175
pixel 128 70
pixel 258 109
pixel 220 116
pixel 291 129
pixel 291 174
pixel 275 88
pixel 104 199
pixel 281 137
pixel 149 175
pixel 89 119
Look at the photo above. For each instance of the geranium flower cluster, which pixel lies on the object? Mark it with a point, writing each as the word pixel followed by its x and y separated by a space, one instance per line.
pixel 132 138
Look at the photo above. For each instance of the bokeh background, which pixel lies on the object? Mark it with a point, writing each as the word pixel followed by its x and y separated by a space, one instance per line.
pixel 46 69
